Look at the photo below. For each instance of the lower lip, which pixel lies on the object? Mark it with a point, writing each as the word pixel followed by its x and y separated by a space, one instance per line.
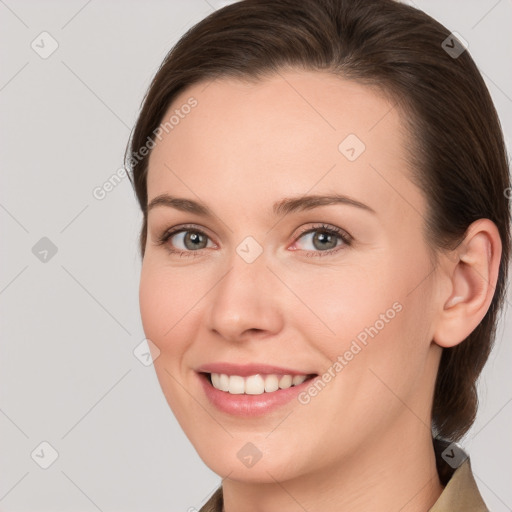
pixel 250 405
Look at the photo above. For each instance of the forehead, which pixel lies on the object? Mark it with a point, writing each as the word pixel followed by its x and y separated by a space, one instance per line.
pixel 288 134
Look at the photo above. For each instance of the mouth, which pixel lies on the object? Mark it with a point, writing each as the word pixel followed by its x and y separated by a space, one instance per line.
pixel 254 389
pixel 257 384
pixel 252 395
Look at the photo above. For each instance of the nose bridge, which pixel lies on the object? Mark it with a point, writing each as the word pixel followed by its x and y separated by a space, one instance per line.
pixel 246 298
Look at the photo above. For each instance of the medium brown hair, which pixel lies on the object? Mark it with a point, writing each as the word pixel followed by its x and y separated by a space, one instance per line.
pixel 457 153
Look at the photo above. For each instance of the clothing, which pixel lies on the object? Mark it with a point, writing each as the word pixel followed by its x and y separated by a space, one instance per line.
pixel 460 494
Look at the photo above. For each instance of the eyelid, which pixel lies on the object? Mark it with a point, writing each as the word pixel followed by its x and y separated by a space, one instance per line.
pixel 343 235
pixel 319 226
pixel 170 232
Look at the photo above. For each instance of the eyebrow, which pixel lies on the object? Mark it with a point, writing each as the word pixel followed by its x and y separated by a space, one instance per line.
pixel 279 208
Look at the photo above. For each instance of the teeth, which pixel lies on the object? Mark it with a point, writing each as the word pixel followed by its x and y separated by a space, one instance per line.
pixel 223 382
pixel 216 380
pixel 285 381
pixel 254 384
pixel 236 385
pixel 298 379
pixel 271 383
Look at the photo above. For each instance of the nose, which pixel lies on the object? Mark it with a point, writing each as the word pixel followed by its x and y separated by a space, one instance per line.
pixel 246 302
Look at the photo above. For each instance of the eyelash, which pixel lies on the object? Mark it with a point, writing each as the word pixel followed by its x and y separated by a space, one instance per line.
pixel 323 228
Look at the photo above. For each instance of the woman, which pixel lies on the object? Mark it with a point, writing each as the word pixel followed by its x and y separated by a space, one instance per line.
pixel 325 244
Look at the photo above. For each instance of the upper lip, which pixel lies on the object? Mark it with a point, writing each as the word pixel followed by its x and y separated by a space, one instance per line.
pixel 244 370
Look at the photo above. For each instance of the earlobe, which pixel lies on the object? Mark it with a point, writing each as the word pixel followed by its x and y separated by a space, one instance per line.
pixel 472 280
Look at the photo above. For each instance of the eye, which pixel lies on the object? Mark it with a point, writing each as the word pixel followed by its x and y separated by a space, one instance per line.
pixel 185 240
pixel 322 240
pixel 319 240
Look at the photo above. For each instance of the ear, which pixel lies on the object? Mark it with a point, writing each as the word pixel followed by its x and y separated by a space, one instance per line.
pixel 472 274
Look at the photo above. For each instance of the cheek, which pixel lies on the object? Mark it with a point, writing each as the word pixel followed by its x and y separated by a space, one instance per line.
pixel 153 302
pixel 166 305
pixel 383 332
pixel 374 312
pixel 339 304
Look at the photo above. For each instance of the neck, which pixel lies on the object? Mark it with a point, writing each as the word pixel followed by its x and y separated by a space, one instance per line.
pixel 395 472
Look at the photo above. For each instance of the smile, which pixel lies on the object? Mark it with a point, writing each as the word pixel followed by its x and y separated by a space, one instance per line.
pixel 252 395
pixel 254 384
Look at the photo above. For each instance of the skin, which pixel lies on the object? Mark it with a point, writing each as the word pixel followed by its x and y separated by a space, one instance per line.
pixel 364 442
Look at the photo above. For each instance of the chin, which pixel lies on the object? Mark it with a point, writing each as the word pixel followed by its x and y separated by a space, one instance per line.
pixel 239 459
pixel 262 472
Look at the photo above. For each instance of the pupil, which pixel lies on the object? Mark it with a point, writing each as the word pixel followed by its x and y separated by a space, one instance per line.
pixel 194 238
pixel 324 237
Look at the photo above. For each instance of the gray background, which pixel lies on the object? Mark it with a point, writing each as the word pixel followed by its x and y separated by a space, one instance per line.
pixel 69 325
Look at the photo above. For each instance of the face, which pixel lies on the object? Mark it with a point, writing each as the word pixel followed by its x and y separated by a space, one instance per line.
pixel 248 283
